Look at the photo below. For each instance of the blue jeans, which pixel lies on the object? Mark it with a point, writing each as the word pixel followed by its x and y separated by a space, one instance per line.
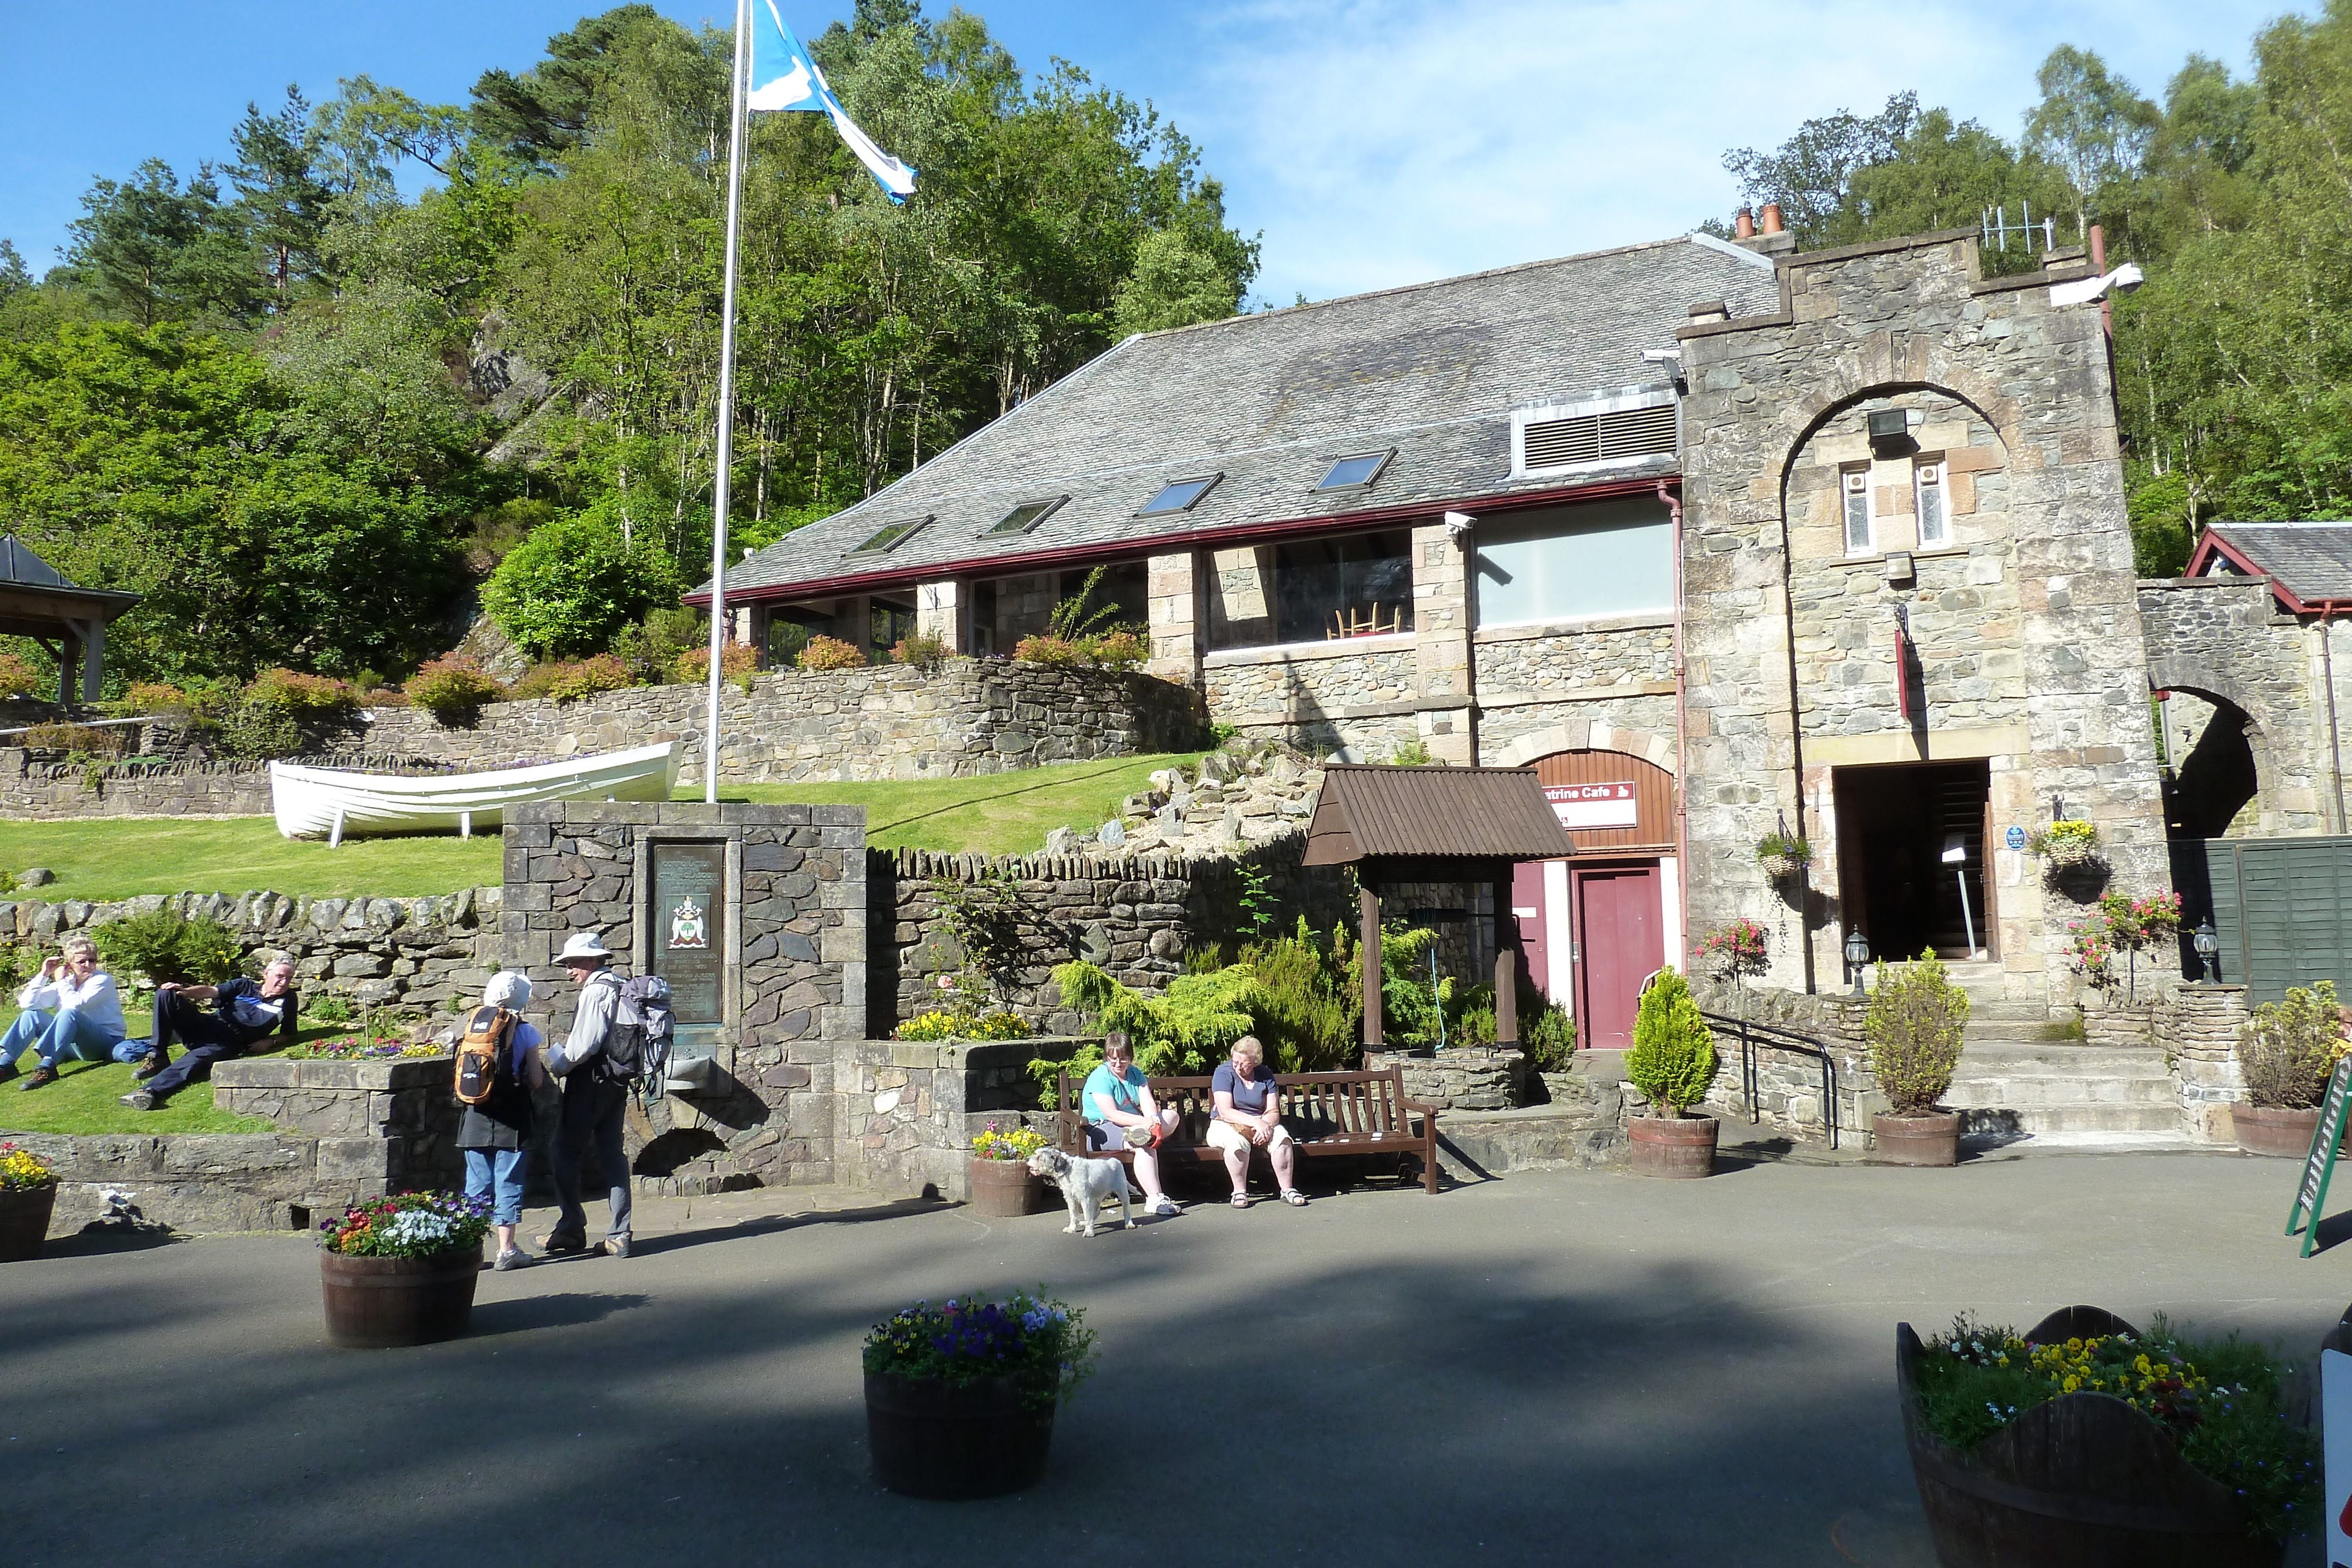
pixel 497 1175
pixel 65 1036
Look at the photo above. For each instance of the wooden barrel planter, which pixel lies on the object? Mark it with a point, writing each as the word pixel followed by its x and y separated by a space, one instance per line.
pixel 1674 1146
pixel 2083 1481
pixel 24 1220
pixel 1933 1139
pixel 376 1303
pixel 2267 1130
pixel 1003 1189
pixel 955 1441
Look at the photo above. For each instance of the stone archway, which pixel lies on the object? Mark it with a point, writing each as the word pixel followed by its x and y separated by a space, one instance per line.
pixel 1584 734
pixel 1886 365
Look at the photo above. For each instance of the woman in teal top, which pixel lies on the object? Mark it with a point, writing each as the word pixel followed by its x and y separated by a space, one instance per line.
pixel 1116 1104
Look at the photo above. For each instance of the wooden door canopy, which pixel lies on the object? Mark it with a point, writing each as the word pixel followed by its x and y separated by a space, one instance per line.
pixel 1401 818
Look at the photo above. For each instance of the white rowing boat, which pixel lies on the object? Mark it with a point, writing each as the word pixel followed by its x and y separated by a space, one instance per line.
pixel 333 804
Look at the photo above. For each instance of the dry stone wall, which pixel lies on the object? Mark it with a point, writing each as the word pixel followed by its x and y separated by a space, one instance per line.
pixel 32 788
pixel 1357 695
pixel 2198 1027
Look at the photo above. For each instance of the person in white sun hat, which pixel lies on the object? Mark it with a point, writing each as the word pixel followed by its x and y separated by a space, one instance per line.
pixel 592 1104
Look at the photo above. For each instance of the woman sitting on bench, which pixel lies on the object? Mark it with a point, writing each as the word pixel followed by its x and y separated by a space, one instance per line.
pixel 1116 1104
pixel 1249 1116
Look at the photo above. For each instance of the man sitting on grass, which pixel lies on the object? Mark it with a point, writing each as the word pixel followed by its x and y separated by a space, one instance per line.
pixel 246 1013
pixel 71 1013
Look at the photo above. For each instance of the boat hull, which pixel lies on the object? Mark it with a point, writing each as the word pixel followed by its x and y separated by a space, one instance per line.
pixel 309 802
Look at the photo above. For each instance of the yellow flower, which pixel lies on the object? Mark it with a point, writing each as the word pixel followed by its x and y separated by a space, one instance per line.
pixel 2073 1384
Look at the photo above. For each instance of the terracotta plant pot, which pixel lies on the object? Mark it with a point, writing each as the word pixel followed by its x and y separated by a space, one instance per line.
pixel 954 1441
pixel 1677 1147
pixel 24 1220
pixel 376 1303
pixel 2269 1130
pixel 1003 1189
pixel 1932 1138
pixel 2083 1481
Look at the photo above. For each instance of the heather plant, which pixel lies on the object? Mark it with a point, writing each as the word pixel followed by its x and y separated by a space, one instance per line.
pixel 1673 1059
pixel 830 653
pixel 452 688
pixel 1913 1025
pixel 2290 1046
pixel 920 649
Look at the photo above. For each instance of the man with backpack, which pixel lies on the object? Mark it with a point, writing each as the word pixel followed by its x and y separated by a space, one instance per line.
pixel 498 1069
pixel 598 1061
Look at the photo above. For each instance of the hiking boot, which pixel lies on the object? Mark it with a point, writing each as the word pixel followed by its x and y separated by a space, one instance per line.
pixel 616 1245
pixel 39 1078
pixel 7 1070
pixel 140 1100
pixel 559 1242
pixel 511 1258
pixel 149 1066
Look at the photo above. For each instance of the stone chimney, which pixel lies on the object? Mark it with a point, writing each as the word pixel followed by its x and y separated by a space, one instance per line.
pixel 1765 232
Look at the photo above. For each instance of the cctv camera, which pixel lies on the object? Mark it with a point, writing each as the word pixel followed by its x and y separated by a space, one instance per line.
pixel 1458 523
pixel 2126 278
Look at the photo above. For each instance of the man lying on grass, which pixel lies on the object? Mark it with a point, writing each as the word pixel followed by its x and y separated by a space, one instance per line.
pixel 246 1013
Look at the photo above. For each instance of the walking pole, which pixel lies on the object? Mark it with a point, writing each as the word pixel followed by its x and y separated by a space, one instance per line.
pixel 726 399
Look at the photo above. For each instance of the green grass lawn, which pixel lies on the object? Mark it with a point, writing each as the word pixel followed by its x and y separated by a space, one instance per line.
pixel 107 858
pixel 86 1098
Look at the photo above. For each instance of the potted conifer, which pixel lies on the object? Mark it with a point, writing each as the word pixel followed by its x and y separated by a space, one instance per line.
pixel 1671 1063
pixel 28 1197
pixel 1913 1025
pixel 2286 1051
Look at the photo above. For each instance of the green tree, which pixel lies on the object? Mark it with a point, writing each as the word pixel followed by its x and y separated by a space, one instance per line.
pixel 281 196
pixel 154 251
pixel 574 583
pixel 2090 124
pixel 1673 1059
pixel 1173 285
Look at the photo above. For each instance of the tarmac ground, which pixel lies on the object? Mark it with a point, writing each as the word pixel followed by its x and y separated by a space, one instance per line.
pixel 1556 1367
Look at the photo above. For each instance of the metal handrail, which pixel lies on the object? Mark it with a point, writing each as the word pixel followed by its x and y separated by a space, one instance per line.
pixel 1790 1041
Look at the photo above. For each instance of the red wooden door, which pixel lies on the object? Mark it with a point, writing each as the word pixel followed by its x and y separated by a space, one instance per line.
pixel 1618 936
pixel 1528 910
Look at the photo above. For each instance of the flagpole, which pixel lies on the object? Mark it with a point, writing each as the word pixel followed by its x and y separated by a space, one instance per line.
pixel 726 398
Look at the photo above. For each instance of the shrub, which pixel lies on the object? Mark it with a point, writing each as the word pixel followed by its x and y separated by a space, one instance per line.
pixel 1547 1034
pixel 830 653
pixel 79 740
pixel 452 688
pixel 1415 753
pixel 940 1024
pixel 1173 1031
pixel 1311 1005
pixel 1914 1026
pixel 574 584
pixel 384 696
pixel 738 662
pixel 17 678
pixel 140 698
pixel 567 681
pixel 1121 649
pixel 651 647
pixel 1673 1059
pixel 2290 1046
pixel 168 948
pixel 306 699
pixel 1057 651
pixel 922 651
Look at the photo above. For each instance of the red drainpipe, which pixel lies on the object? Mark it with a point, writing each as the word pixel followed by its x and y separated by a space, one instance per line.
pixel 1673 498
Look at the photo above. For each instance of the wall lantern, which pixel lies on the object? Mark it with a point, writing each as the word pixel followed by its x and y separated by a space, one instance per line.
pixel 2207 943
pixel 1857 956
pixel 1890 432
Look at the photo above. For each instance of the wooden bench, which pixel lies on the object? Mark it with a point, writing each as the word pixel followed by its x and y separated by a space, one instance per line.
pixel 1326 1112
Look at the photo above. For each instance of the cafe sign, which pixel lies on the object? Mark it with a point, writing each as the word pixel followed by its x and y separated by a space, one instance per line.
pixel 1606 805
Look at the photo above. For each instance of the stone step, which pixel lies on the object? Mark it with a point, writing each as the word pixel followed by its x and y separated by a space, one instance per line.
pixel 2018 1146
pixel 2057 1059
pixel 2037 1120
pixel 2021 1092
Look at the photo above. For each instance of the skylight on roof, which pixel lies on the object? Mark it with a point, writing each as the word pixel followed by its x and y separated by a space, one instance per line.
pixel 886 539
pixel 1025 516
pixel 1356 473
pixel 1178 496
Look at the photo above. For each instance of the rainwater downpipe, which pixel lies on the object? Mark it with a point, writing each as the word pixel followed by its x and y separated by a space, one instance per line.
pixel 1673 498
pixel 2335 745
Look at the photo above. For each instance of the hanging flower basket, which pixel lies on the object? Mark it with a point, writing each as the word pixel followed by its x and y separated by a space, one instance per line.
pixel 2066 845
pixel 1782 855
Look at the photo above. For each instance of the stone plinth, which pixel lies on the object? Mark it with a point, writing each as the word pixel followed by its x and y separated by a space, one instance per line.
pixel 2198 1027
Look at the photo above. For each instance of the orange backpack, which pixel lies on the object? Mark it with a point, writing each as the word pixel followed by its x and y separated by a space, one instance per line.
pixel 482 1053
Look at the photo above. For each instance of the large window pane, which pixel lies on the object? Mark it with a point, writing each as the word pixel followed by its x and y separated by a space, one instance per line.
pixel 1608 557
pixel 1311 590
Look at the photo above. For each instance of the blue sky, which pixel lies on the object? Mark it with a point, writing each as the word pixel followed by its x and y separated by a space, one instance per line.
pixel 1373 142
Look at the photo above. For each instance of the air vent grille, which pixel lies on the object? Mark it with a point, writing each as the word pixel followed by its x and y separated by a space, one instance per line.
pixel 1597 437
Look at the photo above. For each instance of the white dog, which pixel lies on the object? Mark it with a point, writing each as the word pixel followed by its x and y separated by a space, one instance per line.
pixel 1085 1185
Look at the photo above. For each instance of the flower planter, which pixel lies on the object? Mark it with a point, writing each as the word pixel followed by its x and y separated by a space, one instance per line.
pixel 952 1441
pixel 2269 1130
pixel 1932 1139
pixel 24 1220
pixel 376 1303
pixel 2083 1481
pixel 1777 866
pixel 1677 1147
pixel 1003 1189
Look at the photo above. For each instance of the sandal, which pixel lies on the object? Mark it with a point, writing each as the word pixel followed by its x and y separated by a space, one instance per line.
pixel 1241 1200
pixel 1293 1197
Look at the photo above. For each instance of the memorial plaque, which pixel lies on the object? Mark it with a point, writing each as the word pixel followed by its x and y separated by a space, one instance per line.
pixel 688 922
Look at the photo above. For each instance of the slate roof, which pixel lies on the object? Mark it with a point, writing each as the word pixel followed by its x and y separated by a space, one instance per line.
pixel 1366 811
pixel 1433 370
pixel 2312 561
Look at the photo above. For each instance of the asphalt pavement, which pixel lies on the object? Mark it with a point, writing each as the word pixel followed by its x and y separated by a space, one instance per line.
pixel 1556 1367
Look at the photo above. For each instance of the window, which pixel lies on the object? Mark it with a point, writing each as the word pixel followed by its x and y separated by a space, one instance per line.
pixel 1855 485
pixel 1927 488
pixel 884 541
pixel 1312 590
pixel 1178 496
pixel 1569 438
pixel 1025 516
pixel 1575 563
pixel 1356 473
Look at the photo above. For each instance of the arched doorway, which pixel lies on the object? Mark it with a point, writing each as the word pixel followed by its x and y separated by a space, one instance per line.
pixel 1597 924
pixel 2208 750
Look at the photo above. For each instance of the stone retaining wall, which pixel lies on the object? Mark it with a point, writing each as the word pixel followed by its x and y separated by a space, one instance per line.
pixel 1473 1078
pixel 1789 1083
pixel 50 791
pixel 424 953
pixel 2199 1025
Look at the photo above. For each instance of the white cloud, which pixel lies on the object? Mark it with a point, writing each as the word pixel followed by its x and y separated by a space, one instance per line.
pixel 1379 142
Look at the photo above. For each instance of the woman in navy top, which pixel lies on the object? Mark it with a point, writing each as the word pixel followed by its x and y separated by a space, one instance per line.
pixel 1249 1116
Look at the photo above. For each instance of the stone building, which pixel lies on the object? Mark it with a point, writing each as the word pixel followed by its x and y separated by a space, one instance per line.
pixel 1721 538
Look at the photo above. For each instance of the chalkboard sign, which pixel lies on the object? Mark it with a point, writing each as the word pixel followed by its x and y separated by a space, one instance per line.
pixel 2325 1138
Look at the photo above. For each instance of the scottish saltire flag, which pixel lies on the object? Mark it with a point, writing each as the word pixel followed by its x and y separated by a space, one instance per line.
pixel 784 76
